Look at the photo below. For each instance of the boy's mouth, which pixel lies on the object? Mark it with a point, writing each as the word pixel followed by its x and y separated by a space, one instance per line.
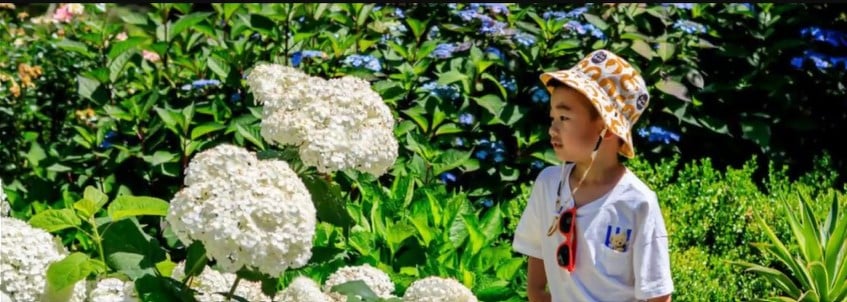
pixel 556 145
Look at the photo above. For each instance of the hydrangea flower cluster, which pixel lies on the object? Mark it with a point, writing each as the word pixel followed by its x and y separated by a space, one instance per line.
pixel 303 289
pixel 210 283
pixel 113 290
pixel 337 124
pixel 246 212
pixel 378 281
pixel 25 254
pixel 434 288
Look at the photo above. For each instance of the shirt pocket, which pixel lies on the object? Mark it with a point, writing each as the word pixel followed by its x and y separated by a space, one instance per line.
pixel 615 263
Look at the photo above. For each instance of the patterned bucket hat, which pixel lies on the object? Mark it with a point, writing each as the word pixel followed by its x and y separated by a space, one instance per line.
pixel 615 88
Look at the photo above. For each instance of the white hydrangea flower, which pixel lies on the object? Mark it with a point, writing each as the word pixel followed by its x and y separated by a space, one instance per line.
pixel 25 254
pixel 377 280
pixel 113 290
pixel 303 289
pixel 5 207
pixel 273 85
pixel 4 297
pixel 338 124
pixel 437 289
pixel 246 212
pixel 210 283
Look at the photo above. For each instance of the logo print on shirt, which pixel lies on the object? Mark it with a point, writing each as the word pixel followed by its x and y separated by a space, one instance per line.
pixel 617 241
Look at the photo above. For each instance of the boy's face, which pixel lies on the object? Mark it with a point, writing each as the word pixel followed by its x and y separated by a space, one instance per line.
pixel 573 131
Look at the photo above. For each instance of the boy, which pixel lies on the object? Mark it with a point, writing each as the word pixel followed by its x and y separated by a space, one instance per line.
pixel 605 239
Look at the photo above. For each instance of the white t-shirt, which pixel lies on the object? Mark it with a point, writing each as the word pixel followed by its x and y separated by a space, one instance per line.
pixel 601 273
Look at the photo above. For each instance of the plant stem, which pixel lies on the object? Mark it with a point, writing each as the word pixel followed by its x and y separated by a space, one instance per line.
pixel 98 240
pixel 232 289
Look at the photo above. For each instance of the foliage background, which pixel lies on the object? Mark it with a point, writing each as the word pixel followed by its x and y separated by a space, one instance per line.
pixel 752 86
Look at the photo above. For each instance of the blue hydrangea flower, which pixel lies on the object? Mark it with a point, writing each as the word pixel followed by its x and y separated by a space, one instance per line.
pixel 583 29
pixel 524 39
pixel 658 134
pixel 685 6
pixel 468 14
pixel 433 32
pixel 365 61
pixel 447 177
pixel 199 84
pixel 235 97
pixel 466 119
pixel 481 154
pixel 491 27
pixel 298 56
pixel 399 13
pixel 821 61
pixel 447 92
pixel 689 27
pixel 497 8
pixel 509 83
pixel 108 140
pixel 536 165
pixel 458 142
pixel 831 37
pixel 554 15
pixel 496 52
pixel 576 12
pixel 443 51
pixel 487 202
pixel 540 95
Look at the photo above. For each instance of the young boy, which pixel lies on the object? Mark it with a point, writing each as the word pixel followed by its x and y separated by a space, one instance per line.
pixel 592 230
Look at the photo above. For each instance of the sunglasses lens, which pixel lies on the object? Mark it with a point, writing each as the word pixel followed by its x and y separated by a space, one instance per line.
pixel 564 255
pixel 565 222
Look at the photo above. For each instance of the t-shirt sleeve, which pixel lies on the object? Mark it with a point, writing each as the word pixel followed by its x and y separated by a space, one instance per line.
pixel 651 259
pixel 529 231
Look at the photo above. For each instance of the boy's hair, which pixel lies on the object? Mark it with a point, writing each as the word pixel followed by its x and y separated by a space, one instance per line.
pixel 613 86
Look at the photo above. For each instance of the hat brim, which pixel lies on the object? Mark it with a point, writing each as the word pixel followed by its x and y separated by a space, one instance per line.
pixel 592 91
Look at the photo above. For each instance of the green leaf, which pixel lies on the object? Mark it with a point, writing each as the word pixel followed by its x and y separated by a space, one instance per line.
pixel 363 243
pixel 250 135
pixel 477 238
pixel 449 160
pixel 186 22
pixel 491 102
pixel 159 288
pixel 448 128
pixel 451 76
pixel 396 234
pixel 121 47
pixel 196 259
pixel 116 67
pixel 666 51
pixel 230 8
pixel 53 220
pixel 820 278
pixel 596 21
pixel 363 14
pixel 642 48
pixel 86 208
pixel 95 195
pixel 129 250
pixel 355 288
pixel 417 26
pixel 130 206
pixel 565 45
pixel 328 201
pixel 160 157
pixel 774 276
pixel 218 66
pixel 65 273
pixel 75 46
pixel 418 115
pixel 673 88
pixel 206 128
pixel 87 87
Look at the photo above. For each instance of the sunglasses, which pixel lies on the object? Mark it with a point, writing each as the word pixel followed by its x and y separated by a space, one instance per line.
pixel 566 253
